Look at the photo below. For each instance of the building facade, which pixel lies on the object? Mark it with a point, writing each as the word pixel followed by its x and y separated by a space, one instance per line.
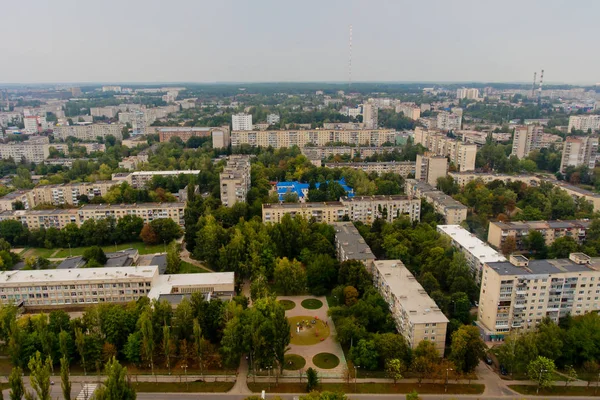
pixel 402 168
pixel 447 121
pixel 499 231
pixel 430 167
pixel 235 180
pixel 350 245
pixel 241 122
pixel 526 139
pixel 453 211
pixel 370 116
pixel 459 153
pixel 140 179
pixel 34 150
pixel 328 212
pixel 579 151
pixel 367 209
pixel 410 110
pixel 584 123
pixel 89 132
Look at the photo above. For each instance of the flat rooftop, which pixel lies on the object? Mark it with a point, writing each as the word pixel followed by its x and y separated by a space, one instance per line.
pixel 533 225
pixel 378 197
pixel 134 206
pixel 304 205
pixel 352 242
pixel 176 172
pixel 82 274
pixel 409 293
pixel 163 284
pixel 544 267
pixel 481 250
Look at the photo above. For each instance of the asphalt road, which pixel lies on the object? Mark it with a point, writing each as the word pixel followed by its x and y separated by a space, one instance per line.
pixel 225 396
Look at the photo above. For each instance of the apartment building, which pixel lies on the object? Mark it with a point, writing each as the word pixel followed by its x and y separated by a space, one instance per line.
pixel 578 193
pixel 370 116
pixel 221 138
pixel 430 167
pixel 273 119
pixel 147 211
pixel 459 153
pixel 241 122
pixel 350 245
pixel 32 124
pixel 220 135
pixel 520 293
pixel 447 121
pixel 235 180
pixel 111 88
pixel 85 286
pixel 402 168
pixel 476 251
pixel 453 211
pixel 579 151
pixel 367 209
pixel 416 315
pixel 140 179
pixel 89 132
pixel 410 110
pixel 313 137
pixel 359 151
pixel 526 139
pixel 108 112
pixel 551 230
pixel 68 193
pixel 467 93
pixel 7 202
pixel 133 162
pixel 463 178
pixel 34 150
pixel 584 123
pixel 327 212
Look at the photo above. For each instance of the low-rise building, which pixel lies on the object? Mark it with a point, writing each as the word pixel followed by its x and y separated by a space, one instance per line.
pixel 367 209
pixel 133 162
pixel 350 245
pixel 185 133
pixel 359 151
pixel 147 211
pixel 402 168
pixel 140 179
pixel 328 212
pixel 416 315
pixel 498 231
pixel 518 294
pixel 235 180
pixel 476 251
pixel 454 212
pixel 463 178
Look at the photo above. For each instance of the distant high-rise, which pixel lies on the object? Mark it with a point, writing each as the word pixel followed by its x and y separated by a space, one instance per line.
pixel 370 116
pixel 526 139
pixel 470 94
pixel 430 167
pixel 584 123
pixel 578 151
pixel 241 122
pixel 76 91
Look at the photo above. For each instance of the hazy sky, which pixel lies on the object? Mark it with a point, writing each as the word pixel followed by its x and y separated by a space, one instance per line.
pixel 299 40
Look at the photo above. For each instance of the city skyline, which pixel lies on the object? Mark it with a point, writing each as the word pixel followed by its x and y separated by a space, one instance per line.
pixel 237 42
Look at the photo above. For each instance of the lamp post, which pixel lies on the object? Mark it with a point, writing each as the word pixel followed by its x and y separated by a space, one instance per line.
pixel 446 384
pixel 269 370
pixel 185 366
pixel 356 367
pixel 540 380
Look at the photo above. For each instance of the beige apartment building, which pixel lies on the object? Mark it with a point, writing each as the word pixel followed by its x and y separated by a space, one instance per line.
pixel 235 180
pixel 34 150
pixel 147 211
pixel 360 151
pixel 350 245
pixel 86 286
pixel 68 193
pixel 526 139
pixel 578 151
pixel 402 168
pixel 459 153
pixel 367 209
pixel 416 315
pixel 139 179
pixel 430 167
pixel 463 178
pixel 89 132
pixel 328 212
pixel 584 123
pixel 551 230
pixel 313 137
pixel 520 293
pixel 220 135
pixel 410 110
pixel 454 212
pixel 7 202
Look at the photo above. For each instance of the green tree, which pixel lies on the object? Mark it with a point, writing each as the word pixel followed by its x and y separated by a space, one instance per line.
pixel 536 244
pixel 166 229
pixel 312 379
pixel 259 287
pixel 80 344
pixel 571 374
pixel 289 276
pixel 507 353
pixel 173 258
pixel 148 235
pixel 148 344
pixel 40 376
pixel 15 380
pixel 508 246
pixel 395 369
pixel 65 383
pixel 541 370
pixel 412 395
pixel 364 353
pixel 562 247
pixel 324 396
pixel 321 274
pixel 350 296
pixel 167 346
pixel 117 385
pixel 132 349
pixel 467 348
pixel 95 253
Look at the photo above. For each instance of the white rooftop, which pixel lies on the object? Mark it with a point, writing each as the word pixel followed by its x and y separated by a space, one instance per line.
pixel 478 248
pixel 82 274
pixel 176 172
pixel 409 293
pixel 164 283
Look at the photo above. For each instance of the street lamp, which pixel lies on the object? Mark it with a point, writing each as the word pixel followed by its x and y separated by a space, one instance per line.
pixel 446 384
pixel 185 366
pixel 540 380
pixel 269 370
pixel 356 367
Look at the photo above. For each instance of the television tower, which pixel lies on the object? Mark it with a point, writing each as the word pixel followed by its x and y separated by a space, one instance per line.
pixel 533 86
pixel 350 58
pixel 540 88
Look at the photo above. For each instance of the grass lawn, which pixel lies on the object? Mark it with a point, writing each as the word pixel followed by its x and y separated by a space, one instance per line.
pixel 326 360
pixel 176 387
pixel 310 335
pixel 294 362
pixel 377 388
pixel 556 390
pixel 187 268
pixel 140 246
pixel 37 252
pixel 312 304
pixel 287 304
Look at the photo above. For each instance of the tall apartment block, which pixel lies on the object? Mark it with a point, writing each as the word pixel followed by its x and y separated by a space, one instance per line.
pixel 430 167
pixel 235 180
pixel 416 315
pixel 241 122
pixel 579 151
pixel 526 139
pixel 410 110
pixel 476 252
pixel 518 294
pixel 584 123
pixel 370 116
pixel 447 121
pixel 459 153
pixel 499 231
pixel 465 93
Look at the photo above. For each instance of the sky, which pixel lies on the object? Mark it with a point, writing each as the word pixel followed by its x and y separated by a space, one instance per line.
pixel 302 40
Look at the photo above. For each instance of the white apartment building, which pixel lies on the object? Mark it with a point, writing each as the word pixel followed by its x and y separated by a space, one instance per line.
pixel 430 167
pixel 241 122
pixel 86 286
pixel 273 119
pixel 314 137
pixel 410 110
pixel 476 251
pixel 235 180
pixel 448 121
pixel 111 88
pixel 34 150
pixel 402 168
pixel 328 212
pixel 518 294
pixel 416 315
pixel 578 151
pixel 367 209
pixel 32 125
pixel 584 123
pixel 370 116
pixel 108 112
pixel 89 132
pixel 465 93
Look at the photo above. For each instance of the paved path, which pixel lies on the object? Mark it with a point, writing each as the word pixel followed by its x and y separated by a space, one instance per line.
pixel 185 256
pixel 329 345
pixel 241 387
pixel 494 385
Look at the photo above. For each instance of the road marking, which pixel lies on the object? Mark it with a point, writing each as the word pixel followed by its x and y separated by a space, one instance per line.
pixel 87 391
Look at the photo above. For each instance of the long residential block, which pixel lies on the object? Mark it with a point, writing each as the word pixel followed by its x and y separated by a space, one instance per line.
pixel 315 137
pixel 328 212
pixel 89 132
pixel 350 245
pixel 460 153
pixel 139 179
pixel 499 231
pixel 416 315
pixel 402 168
pixel 518 294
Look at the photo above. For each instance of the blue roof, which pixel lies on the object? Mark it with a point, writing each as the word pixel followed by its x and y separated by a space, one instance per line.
pixel 298 188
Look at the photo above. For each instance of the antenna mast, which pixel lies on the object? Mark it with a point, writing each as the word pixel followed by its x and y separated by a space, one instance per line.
pixel 350 58
pixel 533 86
